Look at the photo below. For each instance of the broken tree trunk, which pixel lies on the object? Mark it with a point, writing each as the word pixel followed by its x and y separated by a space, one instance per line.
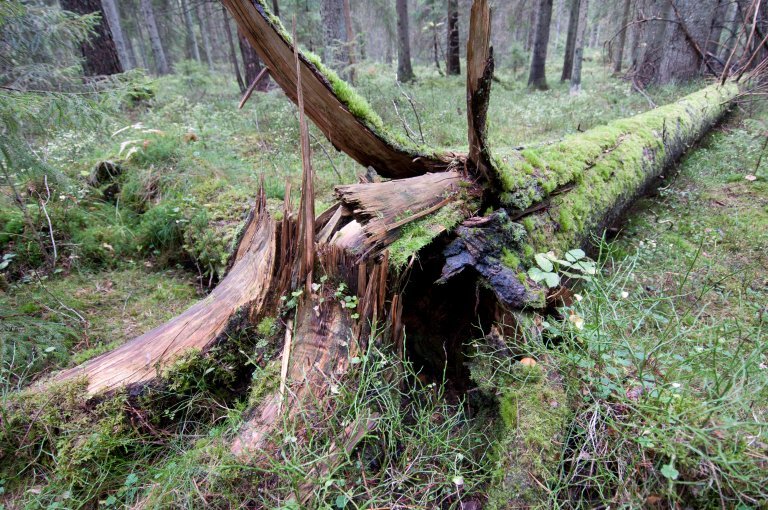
pixel 232 304
pixel 550 197
pixel 344 117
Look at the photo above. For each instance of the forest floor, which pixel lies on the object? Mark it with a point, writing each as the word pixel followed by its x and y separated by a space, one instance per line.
pixel 663 359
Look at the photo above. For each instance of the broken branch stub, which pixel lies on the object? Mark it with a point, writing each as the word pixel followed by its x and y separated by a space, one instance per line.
pixel 480 67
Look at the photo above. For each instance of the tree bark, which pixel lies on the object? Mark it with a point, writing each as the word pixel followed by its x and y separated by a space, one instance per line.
pixel 100 57
pixel 335 51
pixel 622 37
pixel 570 41
pixel 404 69
pixel 193 50
pixel 232 54
pixel 712 46
pixel 204 20
pixel 275 8
pixel 158 52
pixel 674 42
pixel 537 78
pixel 532 24
pixel 578 54
pixel 452 60
pixel 122 44
pixel 350 39
pixel 251 63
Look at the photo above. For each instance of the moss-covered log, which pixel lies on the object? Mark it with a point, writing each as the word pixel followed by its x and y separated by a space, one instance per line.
pixel 555 197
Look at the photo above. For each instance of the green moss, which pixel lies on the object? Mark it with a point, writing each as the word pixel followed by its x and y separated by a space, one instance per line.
pixel 529 224
pixel 566 220
pixel 266 326
pixel 510 259
pixel 418 234
pixel 534 415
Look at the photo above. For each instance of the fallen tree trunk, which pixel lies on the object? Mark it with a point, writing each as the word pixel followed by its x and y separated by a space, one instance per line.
pixel 547 198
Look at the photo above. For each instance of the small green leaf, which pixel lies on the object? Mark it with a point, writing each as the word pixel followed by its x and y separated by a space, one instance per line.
pixel 536 274
pixel 669 471
pixel 551 279
pixel 341 501
pixel 543 262
pixel 574 255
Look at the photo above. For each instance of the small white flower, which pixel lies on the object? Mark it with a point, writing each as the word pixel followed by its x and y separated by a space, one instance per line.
pixel 676 384
pixel 624 294
pixel 577 321
pixel 578 297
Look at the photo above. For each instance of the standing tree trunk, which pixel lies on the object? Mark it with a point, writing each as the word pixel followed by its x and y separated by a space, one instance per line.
pixel 251 63
pixel 538 79
pixel 452 61
pixel 622 37
pixel 532 19
pixel 672 50
pixel 570 41
pixel 578 54
pixel 122 44
pixel 232 54
pixel 712 46
pixel 350 39
pixel 275 8
pixel 161 63
pixel 100 57
pixel 193 50
pixel 404 69
pixel 204 20
pixel 335 38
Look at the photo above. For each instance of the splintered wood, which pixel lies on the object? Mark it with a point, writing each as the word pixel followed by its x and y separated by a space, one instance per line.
pixel 325 336
pixel 241 294
pixel 381 209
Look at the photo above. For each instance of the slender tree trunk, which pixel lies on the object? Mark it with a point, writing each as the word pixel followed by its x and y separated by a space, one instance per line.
pixel 532 21
pixel 214 29
pixel 121 42
pixel 712 47
pixel 142 47
pixel 350 39
pixel 251 62
pixel 275 8
pixel 622 37
pixel 335 38
pixel 404 69
pixel 570 41
pixel 193 50
pixel 204 21
pixel 161 63
pixel 733 30
pixel 578 54
pixel 100 55
pixel 232 53
pixel 538 79
pixel 452 61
